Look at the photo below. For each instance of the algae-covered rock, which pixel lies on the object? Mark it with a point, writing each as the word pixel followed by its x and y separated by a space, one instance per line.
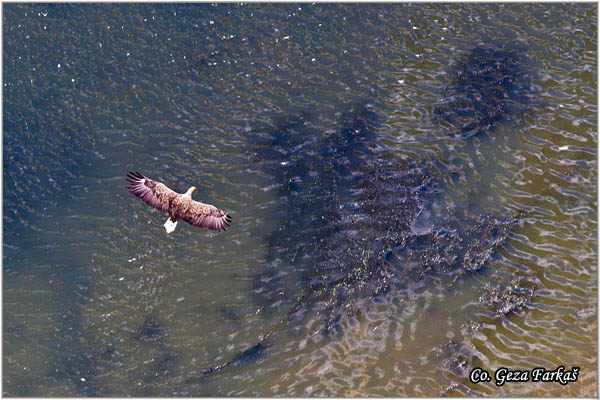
pixel 511 297
pixel 359 225
pixel 488 85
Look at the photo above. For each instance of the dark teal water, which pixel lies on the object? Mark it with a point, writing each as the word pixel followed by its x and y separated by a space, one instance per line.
pixel 245 101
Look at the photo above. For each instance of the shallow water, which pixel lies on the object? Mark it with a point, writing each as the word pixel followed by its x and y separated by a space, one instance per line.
pixel 98 300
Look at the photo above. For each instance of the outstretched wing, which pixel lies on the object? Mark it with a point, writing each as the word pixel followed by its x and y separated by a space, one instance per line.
pixel 153 193
pixel 206 216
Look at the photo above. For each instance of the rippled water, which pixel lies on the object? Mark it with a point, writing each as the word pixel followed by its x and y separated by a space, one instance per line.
pixel 296 118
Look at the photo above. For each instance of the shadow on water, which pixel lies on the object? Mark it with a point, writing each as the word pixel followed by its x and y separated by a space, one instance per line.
pixel 360 229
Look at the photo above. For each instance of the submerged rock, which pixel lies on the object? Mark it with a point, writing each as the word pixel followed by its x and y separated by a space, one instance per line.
pixel 359 227
pixel 149 329
pixel 489 84
pixel 366 224
pixel 514 297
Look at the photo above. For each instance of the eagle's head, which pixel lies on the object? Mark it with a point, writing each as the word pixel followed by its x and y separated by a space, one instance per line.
pixel 190 191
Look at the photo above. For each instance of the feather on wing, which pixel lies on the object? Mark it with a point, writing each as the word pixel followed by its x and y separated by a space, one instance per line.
pixel 205 216
pixel 154 193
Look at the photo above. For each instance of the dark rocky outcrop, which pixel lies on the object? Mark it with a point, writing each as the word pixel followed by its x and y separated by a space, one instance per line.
pixel 361 226
pixel 489 84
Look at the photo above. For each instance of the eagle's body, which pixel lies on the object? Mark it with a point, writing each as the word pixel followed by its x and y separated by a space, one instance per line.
pixel 178 206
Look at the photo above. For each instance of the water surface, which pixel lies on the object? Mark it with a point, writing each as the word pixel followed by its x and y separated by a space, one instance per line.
pixel 99 301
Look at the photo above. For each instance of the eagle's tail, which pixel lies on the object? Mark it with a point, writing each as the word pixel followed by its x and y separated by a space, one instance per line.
pixel 170 225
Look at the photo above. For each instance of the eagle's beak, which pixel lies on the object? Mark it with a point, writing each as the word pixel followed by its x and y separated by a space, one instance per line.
pixel 193 189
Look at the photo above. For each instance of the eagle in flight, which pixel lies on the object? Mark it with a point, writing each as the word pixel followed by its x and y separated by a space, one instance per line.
pixel 178 206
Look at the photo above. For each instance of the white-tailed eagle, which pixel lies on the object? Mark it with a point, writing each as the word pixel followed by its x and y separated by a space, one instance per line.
pixel 178 206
